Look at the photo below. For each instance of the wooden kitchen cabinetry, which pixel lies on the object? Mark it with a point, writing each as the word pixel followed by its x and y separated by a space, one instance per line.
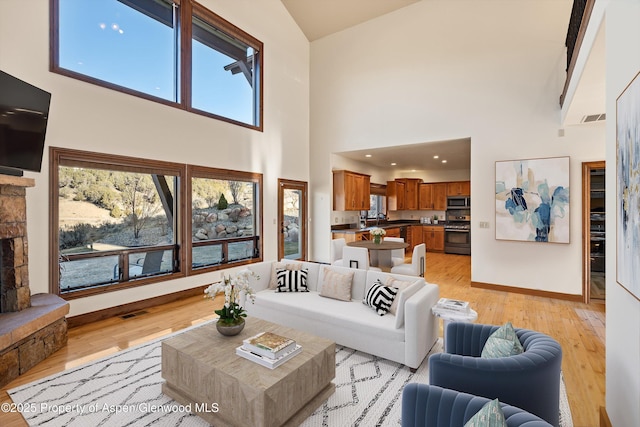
pixel 403 194
pixel 352 237
pixel 415 231
pixel 411 193
pixel 351 191
pixel 433 196
pixel 433 236
pixel 395 196
pixel 392 232
pixel 459 188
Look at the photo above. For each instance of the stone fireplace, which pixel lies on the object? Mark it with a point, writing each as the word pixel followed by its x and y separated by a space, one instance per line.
pixel 32 327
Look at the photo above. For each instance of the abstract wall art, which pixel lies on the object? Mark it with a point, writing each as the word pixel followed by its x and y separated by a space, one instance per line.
pixel 628 188
pixel 532 200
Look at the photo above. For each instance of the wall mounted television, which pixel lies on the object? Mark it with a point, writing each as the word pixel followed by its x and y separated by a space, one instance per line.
pixel 24 112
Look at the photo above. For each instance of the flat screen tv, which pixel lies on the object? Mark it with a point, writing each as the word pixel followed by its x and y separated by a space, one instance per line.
pixel 24 111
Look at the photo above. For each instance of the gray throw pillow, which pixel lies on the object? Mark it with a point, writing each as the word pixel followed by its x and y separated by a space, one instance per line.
pixel 490 415
pixel 502 343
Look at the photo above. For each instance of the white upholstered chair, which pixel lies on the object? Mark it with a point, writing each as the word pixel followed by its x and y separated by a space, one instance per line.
pixel 336 251
pixel 416 268
pixel 397 255
pixel 356 258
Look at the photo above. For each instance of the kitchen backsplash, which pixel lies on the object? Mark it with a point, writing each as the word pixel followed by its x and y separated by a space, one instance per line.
pixel 353 217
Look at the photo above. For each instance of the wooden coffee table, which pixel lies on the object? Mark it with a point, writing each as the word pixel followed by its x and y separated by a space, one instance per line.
pixel 202 371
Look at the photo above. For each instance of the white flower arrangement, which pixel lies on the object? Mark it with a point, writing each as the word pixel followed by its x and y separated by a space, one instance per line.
pixel 233 286
pixel 378 232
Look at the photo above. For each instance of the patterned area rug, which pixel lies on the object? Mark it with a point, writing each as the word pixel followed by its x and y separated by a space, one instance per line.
pixel 125 390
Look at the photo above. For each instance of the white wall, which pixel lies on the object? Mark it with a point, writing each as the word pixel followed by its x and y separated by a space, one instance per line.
pixel 491 71
pixel 623 310
pixel 87 117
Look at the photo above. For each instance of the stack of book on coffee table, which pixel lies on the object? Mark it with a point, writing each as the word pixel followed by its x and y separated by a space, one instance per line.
pixel 268 349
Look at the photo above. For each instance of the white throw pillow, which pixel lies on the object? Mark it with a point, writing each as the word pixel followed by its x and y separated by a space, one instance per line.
pixel 395 283
pixel 336 285
pixel 273 282
pixel 402 298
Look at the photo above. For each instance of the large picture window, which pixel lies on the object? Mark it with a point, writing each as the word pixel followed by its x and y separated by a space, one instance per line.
pixel 118 222
pixel 174 52
pixel 225 212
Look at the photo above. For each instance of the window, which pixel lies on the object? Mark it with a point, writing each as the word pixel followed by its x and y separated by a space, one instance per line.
pixel 377 201
pixel 135 46
pixel 224 212
pixel 117 221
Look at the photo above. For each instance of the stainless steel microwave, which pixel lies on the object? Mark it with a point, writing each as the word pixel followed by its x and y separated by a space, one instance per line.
pixel 457 202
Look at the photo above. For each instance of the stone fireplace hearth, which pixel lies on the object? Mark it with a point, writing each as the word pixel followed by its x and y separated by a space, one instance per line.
pixel 32 327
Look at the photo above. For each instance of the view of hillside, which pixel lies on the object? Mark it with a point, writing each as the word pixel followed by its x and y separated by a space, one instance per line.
pixel 103 210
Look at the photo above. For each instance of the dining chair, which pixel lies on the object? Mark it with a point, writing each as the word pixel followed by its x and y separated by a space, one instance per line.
pixel 353 257
pixel 336 251
pixel 417 266
pixel 397 255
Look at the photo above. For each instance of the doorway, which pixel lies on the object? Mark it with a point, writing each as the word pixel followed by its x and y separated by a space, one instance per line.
pixel 593 223
pixel 292 214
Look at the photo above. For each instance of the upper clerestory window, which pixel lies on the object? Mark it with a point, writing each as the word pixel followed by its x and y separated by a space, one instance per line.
pixel 174 52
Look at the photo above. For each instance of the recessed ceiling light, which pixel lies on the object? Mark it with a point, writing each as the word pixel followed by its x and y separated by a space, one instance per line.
pixel 393 164
pixel 444 161
pixel 436 157
pixel 413 170
pixel 367 155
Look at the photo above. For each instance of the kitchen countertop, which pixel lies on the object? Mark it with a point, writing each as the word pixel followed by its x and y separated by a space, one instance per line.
pixel 384 226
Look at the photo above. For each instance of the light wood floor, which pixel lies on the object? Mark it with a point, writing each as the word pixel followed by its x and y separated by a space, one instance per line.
pixel 578 327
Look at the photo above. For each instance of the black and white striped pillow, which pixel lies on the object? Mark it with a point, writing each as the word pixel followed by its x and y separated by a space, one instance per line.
pixel 380 297
pixel 292 280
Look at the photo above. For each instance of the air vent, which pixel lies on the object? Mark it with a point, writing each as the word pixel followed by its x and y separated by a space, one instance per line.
pixel 594 118
pixel 130 315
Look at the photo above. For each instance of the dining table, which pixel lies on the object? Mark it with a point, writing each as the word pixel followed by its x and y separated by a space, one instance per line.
pixel 380 253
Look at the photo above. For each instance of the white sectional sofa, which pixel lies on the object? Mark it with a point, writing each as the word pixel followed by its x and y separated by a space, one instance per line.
pixel 405 337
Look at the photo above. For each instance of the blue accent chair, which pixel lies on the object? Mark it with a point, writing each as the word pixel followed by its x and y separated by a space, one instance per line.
pixel 530 380
pixel 426 405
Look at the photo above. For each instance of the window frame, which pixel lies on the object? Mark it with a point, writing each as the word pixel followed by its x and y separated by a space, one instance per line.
pixel 188 9
pixel 70 157
pixel 194 171
pixel 182 220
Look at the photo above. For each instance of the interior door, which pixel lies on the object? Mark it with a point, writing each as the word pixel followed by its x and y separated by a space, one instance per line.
pixel 292 219
pixel 593 221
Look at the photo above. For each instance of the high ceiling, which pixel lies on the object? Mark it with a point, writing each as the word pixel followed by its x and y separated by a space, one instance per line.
pixel 319 18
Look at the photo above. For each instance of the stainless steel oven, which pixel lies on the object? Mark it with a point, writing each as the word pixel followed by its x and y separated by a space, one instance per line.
pixel 457 231
pixel 457 239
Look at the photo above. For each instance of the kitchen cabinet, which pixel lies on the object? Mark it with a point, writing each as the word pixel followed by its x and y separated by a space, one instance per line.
pixel 392 232
pixel 433 196
pixel 415 231
pixel 403 194
pixel 351 191
pixel 459 188
pixel 411 193
pixel 352 237
pixel 395 196
pixel 433 236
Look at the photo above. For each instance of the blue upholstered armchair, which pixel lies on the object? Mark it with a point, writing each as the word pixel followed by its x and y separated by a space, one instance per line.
pixel 530 380
pixel 426 405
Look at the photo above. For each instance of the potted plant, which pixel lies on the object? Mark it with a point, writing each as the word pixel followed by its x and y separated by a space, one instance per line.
pixel 377 234
pixel 232 314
